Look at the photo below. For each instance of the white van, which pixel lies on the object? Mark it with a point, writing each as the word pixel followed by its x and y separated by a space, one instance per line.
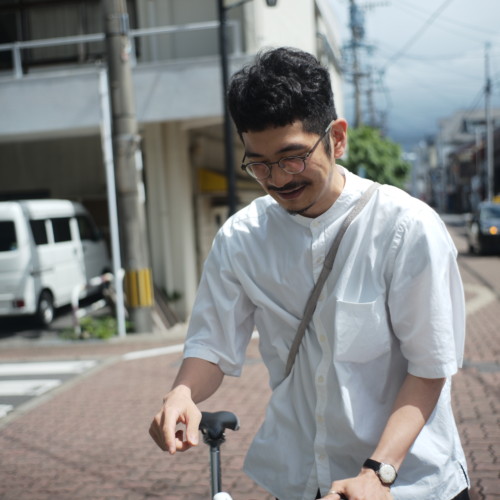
pixel 47 248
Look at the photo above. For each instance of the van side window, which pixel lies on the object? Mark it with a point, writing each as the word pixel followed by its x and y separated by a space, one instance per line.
pixel 39 232
pixel 61 229
pixel 86 228
pixel 8 239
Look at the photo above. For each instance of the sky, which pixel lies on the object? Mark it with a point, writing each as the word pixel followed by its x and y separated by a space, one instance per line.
pixel 427 59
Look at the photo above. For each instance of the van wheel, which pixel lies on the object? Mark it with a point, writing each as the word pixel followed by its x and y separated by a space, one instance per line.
pixel 45 310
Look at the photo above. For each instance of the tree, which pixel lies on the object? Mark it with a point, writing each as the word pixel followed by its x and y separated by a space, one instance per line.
pixel 375 157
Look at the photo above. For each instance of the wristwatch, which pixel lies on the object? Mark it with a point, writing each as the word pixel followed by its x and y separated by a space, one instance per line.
pixel 385 472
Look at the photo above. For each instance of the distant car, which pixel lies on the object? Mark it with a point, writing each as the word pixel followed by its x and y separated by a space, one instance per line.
pixel 483 229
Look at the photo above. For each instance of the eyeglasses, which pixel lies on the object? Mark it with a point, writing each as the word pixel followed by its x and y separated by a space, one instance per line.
pixel 289 164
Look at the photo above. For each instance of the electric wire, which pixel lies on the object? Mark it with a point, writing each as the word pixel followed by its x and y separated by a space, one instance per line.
pixel 443 19
pixel 419 33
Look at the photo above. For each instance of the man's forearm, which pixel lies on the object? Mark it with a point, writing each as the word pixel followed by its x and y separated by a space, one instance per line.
pixel 414 404
pixel 201 377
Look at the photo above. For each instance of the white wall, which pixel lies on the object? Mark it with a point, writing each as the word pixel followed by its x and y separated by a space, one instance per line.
pixel 290 23
pixel 170 211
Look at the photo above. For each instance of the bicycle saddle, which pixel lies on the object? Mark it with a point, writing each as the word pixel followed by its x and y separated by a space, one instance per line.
pixel 214 424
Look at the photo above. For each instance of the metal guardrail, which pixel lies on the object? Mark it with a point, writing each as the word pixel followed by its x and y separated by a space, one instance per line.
pixel 16 48
pixel 78 312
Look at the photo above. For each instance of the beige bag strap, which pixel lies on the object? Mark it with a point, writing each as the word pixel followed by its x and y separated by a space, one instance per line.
pixel 327 267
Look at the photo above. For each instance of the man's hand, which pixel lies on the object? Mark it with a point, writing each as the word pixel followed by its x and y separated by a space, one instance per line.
pixel 365 486
pixel 196 381
pixel 178 407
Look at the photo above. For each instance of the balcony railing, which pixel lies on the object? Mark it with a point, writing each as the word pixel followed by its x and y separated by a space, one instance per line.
pixel 16 48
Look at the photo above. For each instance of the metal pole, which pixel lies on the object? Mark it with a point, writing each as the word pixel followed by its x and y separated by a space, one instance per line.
pixel 215 475
pixel 356 34
pixel 228 131
pixel 489 129
pixel 107 147
pixel 126 144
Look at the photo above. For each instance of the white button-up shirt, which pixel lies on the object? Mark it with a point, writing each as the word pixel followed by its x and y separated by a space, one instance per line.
pixel 393 304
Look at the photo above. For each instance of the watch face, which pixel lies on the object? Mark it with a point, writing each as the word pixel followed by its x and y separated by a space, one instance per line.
pixel 387 473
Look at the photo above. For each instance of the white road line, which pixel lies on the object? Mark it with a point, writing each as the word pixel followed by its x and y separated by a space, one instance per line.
pixel 4 409
pixel 482 296
pixel 149 353
pixel 27 387
pixel 160 351
pixel 44 368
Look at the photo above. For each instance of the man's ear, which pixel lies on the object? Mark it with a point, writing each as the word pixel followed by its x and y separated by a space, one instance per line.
pixel 338 134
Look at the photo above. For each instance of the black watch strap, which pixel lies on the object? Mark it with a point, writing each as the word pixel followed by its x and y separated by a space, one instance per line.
pixel 372 464
pixel 385 472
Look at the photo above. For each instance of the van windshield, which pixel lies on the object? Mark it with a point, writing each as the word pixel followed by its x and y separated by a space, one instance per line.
pixel 8 239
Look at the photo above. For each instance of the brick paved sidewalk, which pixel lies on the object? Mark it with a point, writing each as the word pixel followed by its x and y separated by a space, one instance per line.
pixel 90 441
pixel 476 400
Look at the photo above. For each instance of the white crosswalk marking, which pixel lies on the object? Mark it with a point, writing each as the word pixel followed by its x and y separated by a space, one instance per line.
pixel 46 367
pixel 19 382
pixel 27 387
pixel 4 409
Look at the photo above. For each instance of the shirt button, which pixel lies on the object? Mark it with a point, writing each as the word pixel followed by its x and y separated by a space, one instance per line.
pixel 321 379
pixel 319 419
pixel 322 339
pixel 321 457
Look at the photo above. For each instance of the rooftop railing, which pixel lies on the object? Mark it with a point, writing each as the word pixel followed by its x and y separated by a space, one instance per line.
pixel 16 48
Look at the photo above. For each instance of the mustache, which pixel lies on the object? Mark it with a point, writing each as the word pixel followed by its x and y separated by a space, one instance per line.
pixel 291 186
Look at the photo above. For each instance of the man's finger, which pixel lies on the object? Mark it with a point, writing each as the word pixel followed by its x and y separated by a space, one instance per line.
pixel 336 495
pixel 169 423
pixel 193 428
pixel 156 435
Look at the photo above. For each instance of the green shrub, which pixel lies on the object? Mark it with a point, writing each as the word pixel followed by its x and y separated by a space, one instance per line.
pixel 101 327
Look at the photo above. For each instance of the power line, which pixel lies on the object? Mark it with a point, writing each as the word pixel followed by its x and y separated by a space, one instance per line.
pixel 404 4
pixel 454 29
pixel 419 33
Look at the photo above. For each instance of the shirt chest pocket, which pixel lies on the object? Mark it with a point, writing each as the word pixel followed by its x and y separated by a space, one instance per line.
pixel 361 331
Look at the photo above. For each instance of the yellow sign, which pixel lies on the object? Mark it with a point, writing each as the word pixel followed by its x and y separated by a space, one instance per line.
pixel 139 288
pixel 211 181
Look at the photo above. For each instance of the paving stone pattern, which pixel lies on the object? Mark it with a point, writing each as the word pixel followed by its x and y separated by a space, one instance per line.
pixel 90 440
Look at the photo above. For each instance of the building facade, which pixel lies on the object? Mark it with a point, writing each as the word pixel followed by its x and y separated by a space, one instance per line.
pixel 52 59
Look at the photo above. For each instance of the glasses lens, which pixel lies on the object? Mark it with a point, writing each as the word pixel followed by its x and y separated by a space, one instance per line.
pixel 292 164
pixel 258 170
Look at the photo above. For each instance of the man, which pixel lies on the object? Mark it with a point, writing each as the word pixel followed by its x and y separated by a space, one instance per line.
pixel 369 393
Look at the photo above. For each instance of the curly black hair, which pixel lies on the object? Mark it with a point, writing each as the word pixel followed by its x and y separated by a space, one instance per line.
pixel 282 86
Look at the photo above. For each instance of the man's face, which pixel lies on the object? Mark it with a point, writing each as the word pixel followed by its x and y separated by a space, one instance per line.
pixel 313 191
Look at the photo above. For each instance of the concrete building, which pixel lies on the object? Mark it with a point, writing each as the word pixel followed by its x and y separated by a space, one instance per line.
pixel 450 169
pixel 51 66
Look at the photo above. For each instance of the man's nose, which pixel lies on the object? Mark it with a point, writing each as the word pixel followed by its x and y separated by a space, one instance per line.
pixel 278 177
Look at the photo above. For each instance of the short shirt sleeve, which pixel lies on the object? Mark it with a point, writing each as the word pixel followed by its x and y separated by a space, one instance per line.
pixel 426 299
pixel 221 323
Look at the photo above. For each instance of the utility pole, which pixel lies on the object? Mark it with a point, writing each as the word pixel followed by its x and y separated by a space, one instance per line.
pixel 490 173
pixel 354 48
pixel 128 168
pixel 357 33
pixel 228 130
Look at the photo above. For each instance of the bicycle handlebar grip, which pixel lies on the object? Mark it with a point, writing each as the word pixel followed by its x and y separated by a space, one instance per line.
pixel 214 424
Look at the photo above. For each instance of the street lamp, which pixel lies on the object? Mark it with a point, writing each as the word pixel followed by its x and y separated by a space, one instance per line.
pixel 228 131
